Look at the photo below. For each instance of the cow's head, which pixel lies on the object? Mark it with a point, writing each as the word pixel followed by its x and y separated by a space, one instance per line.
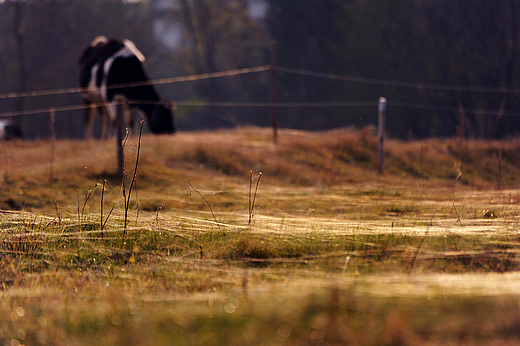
pixel 161 119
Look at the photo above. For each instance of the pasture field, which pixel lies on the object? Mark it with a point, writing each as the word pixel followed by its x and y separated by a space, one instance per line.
pixel 333 253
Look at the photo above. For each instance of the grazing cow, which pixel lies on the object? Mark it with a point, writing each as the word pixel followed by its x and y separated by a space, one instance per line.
pixel 107 67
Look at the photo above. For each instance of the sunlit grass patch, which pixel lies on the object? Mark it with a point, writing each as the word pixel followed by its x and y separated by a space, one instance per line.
pixel 333 252
pixel 186 277
pixel 291 310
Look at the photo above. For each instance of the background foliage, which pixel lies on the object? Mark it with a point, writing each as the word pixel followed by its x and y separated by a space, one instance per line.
pixel 437 42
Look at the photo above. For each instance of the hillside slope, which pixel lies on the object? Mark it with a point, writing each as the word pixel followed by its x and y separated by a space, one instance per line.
pixel 220 163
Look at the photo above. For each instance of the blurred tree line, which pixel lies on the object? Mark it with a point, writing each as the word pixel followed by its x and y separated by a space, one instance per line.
pixel 434 42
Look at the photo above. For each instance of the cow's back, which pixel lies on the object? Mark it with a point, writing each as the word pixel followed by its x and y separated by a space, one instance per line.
pixel 96 54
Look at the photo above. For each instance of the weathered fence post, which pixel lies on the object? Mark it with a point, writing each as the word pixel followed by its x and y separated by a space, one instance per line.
pixel 273 92
pixel 120 128
pixel 382 114
pixel 52 114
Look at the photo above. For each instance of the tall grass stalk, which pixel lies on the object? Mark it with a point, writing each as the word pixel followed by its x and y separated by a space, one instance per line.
pixel 104 224
pixel 252 203
pixel 249 195
pixel 190 193
pixel 101 207
pixel 418 249
pixel 57 213
pixel 157 216
pixel 134 177
pixel 88 194
pixel 77 196
pixel 457 213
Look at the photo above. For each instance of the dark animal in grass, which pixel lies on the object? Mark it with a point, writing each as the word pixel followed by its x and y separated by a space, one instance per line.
pixel 9 131
pixel 108 68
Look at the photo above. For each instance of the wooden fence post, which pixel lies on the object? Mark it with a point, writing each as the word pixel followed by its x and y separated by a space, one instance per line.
pixel 52 114
pixel 273 92
pixel 119 128
pixel 382 114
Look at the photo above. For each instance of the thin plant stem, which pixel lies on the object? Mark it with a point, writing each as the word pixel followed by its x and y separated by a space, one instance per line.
pixel 190 189
pixel 102 198
pixel 88 194
pixel 57 213
pixel 157 216
pixel 138 208
pixel 123 174
pixel 254 197
pixel 419 249
pixel 137 205
pixel 249 199
pixel 134 177
pixel 457 213
pixel 77 195
pixel 108 216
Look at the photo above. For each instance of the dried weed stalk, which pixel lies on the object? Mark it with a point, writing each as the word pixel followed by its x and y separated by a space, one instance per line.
pixel 134 176
pixel 191 189
pixel 252 202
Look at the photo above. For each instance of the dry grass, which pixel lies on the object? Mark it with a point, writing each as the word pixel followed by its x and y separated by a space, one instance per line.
pixel 336 253
pixel 219 163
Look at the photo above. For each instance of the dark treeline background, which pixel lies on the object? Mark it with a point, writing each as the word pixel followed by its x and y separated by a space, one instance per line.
pixel 449 42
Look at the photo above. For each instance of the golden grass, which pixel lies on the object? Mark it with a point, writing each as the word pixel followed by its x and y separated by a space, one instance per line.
pixel 218 163
pixel 336 253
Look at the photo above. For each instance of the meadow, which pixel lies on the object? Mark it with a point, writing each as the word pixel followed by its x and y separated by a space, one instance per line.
pixel 228 239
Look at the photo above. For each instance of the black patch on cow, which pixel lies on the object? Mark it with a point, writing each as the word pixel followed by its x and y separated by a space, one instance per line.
pixel 97 55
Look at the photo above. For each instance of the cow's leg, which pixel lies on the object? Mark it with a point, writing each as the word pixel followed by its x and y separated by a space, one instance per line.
pixel 130 116
pixel 105 123
pixel 116 112
pixel 90 114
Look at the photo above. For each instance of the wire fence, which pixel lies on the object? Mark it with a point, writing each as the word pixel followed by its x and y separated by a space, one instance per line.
pixel 384 82
pixel 264 68
pixel 272 104
pixel 228 73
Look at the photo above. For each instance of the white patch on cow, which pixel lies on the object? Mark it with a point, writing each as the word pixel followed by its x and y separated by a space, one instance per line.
pixel 93 93
pixel 124 52
pixel 111 107
pixel 99 39
pixel 130 45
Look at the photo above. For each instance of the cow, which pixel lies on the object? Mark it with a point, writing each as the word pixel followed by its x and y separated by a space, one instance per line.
pixel 108 68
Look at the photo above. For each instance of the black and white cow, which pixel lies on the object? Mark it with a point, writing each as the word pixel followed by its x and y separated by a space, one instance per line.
pixel 107 63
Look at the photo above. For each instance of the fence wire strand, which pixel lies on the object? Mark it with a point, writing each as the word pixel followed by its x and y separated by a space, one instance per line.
pixel 228 73
pixel 257 69
pixel 386 82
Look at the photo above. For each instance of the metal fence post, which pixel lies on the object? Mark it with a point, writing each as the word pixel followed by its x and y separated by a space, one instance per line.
pixel 382 114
